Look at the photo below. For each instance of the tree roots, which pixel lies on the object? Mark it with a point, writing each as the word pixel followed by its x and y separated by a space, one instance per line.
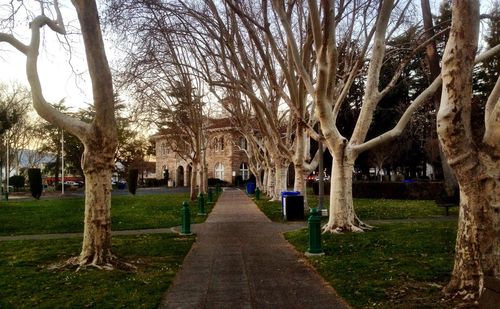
pixel 82 263
pixel 357 226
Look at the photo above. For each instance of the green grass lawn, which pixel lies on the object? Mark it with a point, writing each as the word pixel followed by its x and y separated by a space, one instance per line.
pixel 25 281
pixel 369 209
pixel 66 214
pixel 400 265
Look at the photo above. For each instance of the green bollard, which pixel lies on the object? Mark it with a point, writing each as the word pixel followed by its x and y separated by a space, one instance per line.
pixel 314 222
pixel 201 205
pixel 186 219
pixel 210 196
pixel 217 188
pixel 257 194
pixel 7 196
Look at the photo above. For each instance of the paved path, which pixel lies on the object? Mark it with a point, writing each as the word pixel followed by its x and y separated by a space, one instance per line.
pixel 241 260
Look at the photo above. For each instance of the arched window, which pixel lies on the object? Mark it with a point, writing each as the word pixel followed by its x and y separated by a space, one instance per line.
pixel 244 172
pixel 215 144
pixel 219 171
pixel 221 144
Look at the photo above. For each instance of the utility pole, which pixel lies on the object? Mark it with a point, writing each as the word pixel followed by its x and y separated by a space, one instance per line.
pixel 7 167
pixel 321 192
pixel 62 161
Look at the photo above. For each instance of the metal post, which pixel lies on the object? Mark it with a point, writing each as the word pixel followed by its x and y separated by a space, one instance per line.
pixel 201 205
pixel 186 219
pixel 210 196
pixel 7 168
pixel 314 223
pixel 321 183
pixel 62 161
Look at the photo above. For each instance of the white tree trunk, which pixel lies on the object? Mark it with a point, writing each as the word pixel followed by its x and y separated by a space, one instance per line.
pixel 96 247
pixel 342 217
pixel 270 181
pixel 299 183
pixel 280 181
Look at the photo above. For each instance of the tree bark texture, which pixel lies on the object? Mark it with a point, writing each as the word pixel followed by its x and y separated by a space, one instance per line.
pixel 475 163
pixel 342 217
pixel 281 180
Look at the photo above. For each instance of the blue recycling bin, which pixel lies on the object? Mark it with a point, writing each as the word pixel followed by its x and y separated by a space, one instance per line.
pixel 250 187
pixel 284 194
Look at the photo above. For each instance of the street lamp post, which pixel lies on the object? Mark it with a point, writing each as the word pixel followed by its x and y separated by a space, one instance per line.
pixel 321 192
pixel 7 167
pixel 62 161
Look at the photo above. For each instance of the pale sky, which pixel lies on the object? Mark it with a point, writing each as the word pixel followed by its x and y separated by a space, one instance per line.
pixel 57 66
pixel 63 72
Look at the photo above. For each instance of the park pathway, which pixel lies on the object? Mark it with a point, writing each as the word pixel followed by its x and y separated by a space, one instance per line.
pixel 241 260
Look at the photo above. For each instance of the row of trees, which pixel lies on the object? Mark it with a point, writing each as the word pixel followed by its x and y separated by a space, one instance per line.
pixel 289 66
pixel 327 61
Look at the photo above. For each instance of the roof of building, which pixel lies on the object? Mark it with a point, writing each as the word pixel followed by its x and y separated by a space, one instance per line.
pixel 221 123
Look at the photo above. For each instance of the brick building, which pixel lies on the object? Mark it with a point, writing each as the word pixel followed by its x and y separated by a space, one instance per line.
pixel 224 155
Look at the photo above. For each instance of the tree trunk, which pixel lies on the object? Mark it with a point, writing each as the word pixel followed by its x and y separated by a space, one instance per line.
pixel 270 181
pixel 431 55
pixel 96 248
pixel 192 188
pixel 475 162
pixel 280 182
pixel 299 182
pixel 342 217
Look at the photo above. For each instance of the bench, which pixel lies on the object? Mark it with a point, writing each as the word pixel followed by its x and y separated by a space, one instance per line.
pixel 448 201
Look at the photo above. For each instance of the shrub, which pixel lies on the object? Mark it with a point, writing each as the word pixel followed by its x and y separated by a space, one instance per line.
pixel 153 182
pixel 133 176
pixel 212 182
pixel 17 181
pixel 391 190
pixel 35 181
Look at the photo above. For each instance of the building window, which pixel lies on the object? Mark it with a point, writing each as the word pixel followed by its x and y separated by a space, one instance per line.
pixel 215 144
pixel 163 149
pixel 244 172
pixel 221 144
pixel 243 143
pixel 219 171
pixel 218 144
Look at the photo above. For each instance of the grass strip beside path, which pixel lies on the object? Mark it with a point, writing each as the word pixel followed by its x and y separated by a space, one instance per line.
pixel 25 281
pixel 369 209
pixel 66 215
pixel 400 265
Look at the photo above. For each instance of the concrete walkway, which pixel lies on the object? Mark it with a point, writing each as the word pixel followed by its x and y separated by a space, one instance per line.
pixel 241 260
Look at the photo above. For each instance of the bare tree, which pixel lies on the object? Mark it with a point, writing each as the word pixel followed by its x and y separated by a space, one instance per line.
pixel 475 162
pixel 162 75
pixel 432 59
pixel 98 137
pixel 330 81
